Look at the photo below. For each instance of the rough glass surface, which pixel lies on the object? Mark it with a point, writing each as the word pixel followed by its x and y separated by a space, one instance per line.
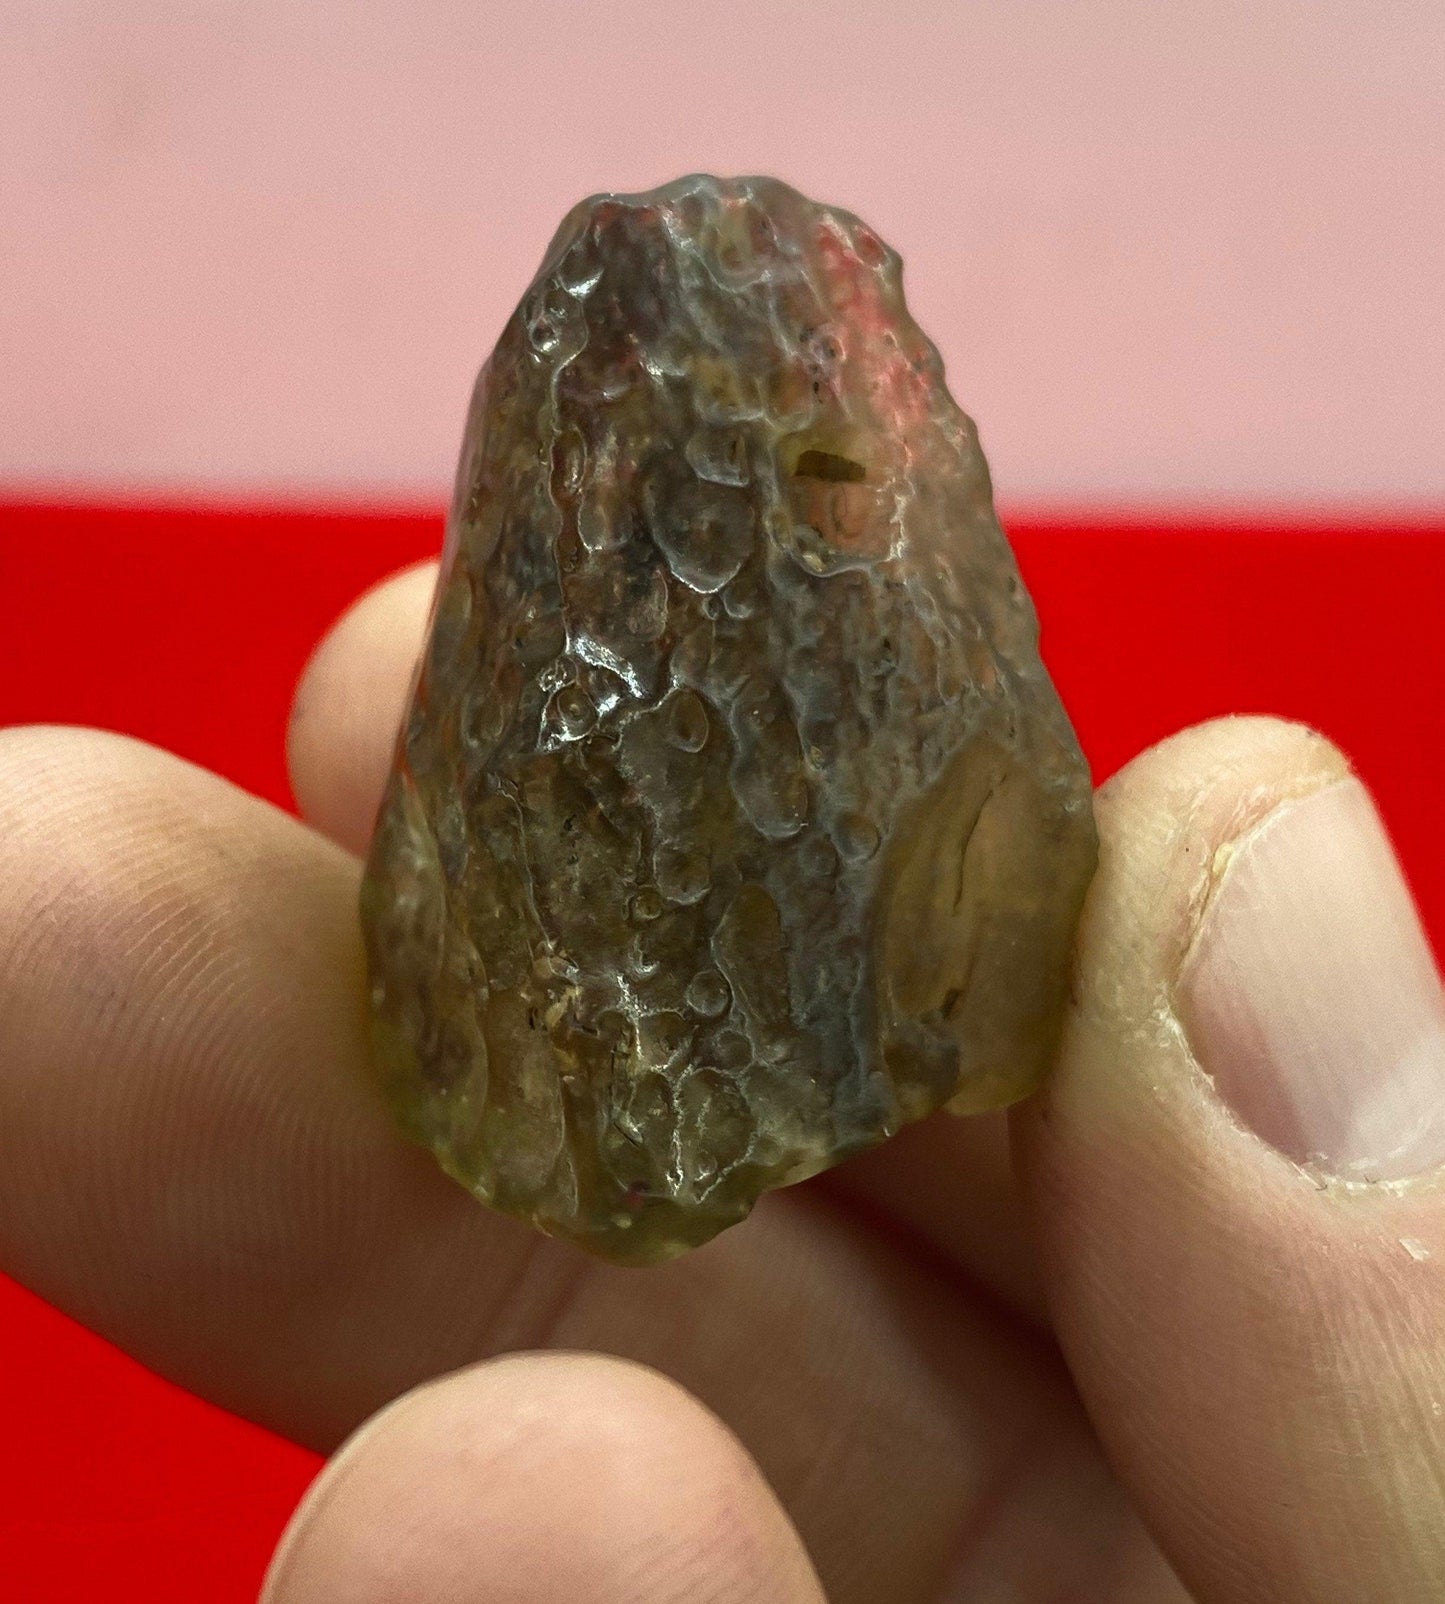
pixel 735 821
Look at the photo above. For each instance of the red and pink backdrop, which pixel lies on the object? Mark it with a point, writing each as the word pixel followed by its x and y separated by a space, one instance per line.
pixel 1182 263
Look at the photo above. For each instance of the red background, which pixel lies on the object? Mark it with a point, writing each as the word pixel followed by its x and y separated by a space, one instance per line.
pixel 188 627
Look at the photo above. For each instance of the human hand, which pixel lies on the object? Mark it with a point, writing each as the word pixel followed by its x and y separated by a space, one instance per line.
pixel 191 1161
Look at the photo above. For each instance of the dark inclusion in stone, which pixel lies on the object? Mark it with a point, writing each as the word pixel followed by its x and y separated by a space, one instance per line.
pixel 735 821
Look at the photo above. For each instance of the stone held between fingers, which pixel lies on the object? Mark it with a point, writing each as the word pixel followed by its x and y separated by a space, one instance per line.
pixel 735 821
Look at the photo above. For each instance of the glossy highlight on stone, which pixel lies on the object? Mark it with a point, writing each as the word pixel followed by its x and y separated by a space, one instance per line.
pixel 735 821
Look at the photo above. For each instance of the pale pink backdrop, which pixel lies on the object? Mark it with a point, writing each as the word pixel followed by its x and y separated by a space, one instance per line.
pixel 1179 251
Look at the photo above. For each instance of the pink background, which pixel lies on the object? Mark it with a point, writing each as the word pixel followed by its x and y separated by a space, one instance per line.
pixel 1175 252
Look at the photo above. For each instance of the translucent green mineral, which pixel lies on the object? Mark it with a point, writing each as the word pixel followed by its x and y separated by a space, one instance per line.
pixel 735 821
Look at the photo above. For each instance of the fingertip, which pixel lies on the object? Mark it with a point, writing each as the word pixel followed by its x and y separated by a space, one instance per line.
pixel 542 1478
pixel 1127 1106
pixel 349 705
pixel 1235 1323
pixel 1162 819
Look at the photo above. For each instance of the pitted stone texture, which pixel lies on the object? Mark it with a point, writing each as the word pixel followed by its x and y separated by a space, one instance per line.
pixel 735 821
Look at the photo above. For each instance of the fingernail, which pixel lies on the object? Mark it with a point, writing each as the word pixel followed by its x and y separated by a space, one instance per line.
pixel 1310 996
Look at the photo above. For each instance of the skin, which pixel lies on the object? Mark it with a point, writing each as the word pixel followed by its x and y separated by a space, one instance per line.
pixel 1012 1360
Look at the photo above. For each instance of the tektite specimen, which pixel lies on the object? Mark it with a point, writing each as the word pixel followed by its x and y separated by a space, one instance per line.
pixel 735 821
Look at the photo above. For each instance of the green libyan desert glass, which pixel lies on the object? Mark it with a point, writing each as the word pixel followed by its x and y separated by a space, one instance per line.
pixel 735 822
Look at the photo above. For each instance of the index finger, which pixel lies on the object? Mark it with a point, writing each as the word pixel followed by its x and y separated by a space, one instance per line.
pixel 192 1162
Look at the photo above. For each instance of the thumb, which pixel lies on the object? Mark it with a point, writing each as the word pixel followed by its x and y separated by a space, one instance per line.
pixel 1236 1179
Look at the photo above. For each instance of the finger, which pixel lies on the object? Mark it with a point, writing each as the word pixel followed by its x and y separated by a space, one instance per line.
pixel 1235 1175
pixel 542 1480
pixel 949 1181
pixel 349 705
pixel 192 1162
